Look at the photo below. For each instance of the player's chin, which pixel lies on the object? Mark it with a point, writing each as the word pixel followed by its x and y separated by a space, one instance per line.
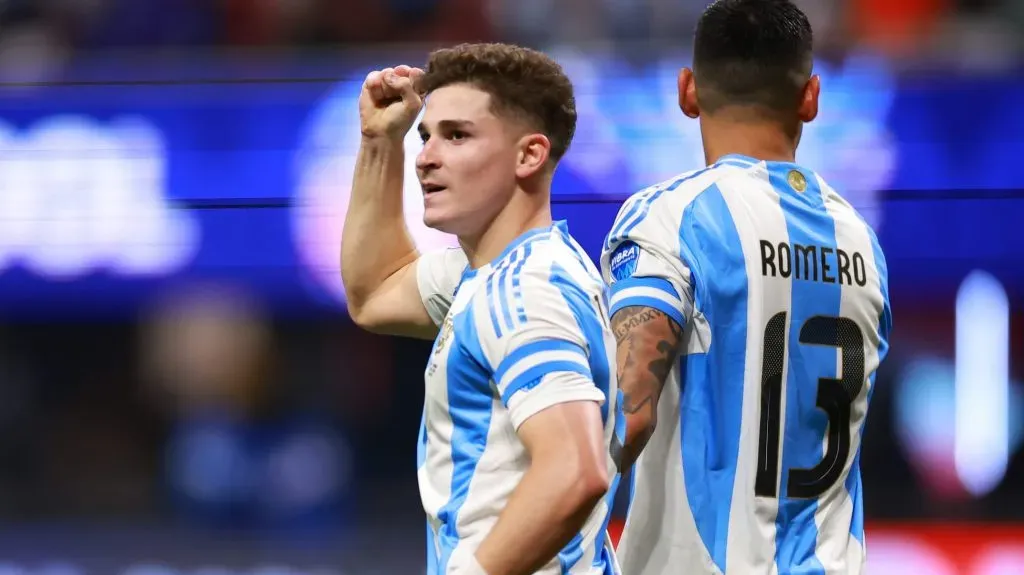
pixel 435 217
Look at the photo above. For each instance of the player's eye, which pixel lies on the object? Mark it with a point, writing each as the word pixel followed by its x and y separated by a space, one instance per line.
pixel 457 135
pixel 424 137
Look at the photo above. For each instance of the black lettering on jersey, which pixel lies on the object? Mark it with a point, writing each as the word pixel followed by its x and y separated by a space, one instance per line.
pixel 785 260
pixel 812 263
pixel 844 268
pixel 808 256
pixel 860 271
pixel 767 258
pixel 825 268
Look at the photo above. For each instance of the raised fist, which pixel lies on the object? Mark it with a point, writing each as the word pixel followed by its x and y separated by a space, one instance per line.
pixel 389 102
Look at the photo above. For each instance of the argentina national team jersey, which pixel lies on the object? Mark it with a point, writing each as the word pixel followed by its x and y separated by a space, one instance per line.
pixel 782 291
pixel 519 335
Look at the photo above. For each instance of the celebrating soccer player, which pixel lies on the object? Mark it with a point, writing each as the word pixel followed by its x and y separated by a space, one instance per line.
pixel 761 295
pixel 514 464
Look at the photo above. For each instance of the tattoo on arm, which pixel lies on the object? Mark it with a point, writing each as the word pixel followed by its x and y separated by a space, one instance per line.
pixel 648 342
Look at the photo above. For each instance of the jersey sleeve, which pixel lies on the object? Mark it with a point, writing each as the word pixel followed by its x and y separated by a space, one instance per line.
pixel 538 336
pixel 642 265
pixel 437 275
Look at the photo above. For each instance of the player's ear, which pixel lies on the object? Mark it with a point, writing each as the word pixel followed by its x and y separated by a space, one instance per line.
pixel 688 94
pixel 809 101
pixel 534 151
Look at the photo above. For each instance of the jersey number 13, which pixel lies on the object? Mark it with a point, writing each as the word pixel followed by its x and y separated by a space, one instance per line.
pixel 835 397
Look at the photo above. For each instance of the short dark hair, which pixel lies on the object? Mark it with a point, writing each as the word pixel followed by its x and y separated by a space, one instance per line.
pixel 522 82
pixel 753 53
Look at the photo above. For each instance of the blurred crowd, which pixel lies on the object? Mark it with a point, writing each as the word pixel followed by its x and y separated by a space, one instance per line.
pixel 974 32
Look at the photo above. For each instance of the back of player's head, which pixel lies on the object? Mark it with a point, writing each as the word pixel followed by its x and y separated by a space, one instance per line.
pixel 524 84
pixel 753 53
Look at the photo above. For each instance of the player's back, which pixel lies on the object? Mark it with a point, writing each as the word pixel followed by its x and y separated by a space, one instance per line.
pixel 754 465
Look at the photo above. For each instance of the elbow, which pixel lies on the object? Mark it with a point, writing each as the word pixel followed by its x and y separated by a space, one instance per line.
pixel 595 484
pixel 365 320
pixel 588 484
pixel 639 429
pixel 361 314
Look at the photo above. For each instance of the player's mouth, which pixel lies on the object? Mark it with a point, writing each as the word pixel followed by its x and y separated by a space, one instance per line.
pixel 432 188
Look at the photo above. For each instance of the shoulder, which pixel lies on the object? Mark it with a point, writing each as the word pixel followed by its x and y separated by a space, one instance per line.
pixel 663 204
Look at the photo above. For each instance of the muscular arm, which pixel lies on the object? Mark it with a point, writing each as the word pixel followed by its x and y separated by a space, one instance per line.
pixel 378 258
pixel 567 477
pixel 648 344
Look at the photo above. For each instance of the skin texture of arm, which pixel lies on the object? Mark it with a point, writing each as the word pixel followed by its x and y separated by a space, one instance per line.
pixel 567 478
pixel 648 343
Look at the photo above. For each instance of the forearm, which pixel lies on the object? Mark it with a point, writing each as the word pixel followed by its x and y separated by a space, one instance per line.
pixel 375 242
pixel 547 509
pixel 648 345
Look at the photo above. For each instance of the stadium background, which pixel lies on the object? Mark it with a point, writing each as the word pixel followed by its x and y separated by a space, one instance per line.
pixel 181 392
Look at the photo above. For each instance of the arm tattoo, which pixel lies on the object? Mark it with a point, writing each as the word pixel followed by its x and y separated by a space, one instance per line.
pixel 648 338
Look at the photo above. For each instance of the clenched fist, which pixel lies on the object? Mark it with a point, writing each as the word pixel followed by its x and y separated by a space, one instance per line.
pixel 389 102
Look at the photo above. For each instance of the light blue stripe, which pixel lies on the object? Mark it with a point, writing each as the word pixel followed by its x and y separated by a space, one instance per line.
pixel 517 290
pixel 591 324
pixel 634 206
pixel 638 211
pixel 600 556
pixel 854 484
pixel 469 405
pixel 492 308
pixel 421 444
pixel 503 299
pixel 654 197
pixel 660 284
pixel 571 554
pixel 712 383
pixel 531 377
pixel 808 223
pixel 535 347
pixel 499 308
pixel 652 302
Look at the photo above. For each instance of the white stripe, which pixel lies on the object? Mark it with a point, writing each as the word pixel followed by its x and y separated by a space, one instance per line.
pixel 645 291
pixel 498 472
pixel 693 188
pixel 837 550
pixel 757 214
pixel 535 359
pixel 509 303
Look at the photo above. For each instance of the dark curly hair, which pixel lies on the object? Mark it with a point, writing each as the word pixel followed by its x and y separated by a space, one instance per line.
pixel 523 83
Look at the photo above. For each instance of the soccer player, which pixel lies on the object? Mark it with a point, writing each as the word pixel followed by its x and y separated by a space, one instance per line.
pixel 514 454
pixel 761 296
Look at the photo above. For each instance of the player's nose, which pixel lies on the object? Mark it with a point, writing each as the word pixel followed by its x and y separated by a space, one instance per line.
pixel 428 158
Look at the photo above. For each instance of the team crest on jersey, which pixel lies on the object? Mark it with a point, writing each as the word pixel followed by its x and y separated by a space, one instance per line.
pixel 624 259
pixel 797 181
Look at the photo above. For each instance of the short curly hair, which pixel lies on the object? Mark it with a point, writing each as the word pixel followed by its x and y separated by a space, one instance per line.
pixel 523 83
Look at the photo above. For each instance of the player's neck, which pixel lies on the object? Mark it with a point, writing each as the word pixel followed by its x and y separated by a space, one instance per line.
pixel 525 212
pixel 764 141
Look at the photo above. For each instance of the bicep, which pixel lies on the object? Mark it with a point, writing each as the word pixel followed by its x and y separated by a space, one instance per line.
pixel 397 308
pixel 571 428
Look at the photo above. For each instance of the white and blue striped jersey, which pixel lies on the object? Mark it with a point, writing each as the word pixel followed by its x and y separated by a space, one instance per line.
pixel 526 332
pixel 781 289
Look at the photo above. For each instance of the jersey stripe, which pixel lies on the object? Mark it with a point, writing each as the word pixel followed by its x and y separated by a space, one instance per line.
pixel 656 293
pixel 517 289
pixel 470 411
pixel 808 224
pixel 639 209
pixel 600 362
pixel 708 466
